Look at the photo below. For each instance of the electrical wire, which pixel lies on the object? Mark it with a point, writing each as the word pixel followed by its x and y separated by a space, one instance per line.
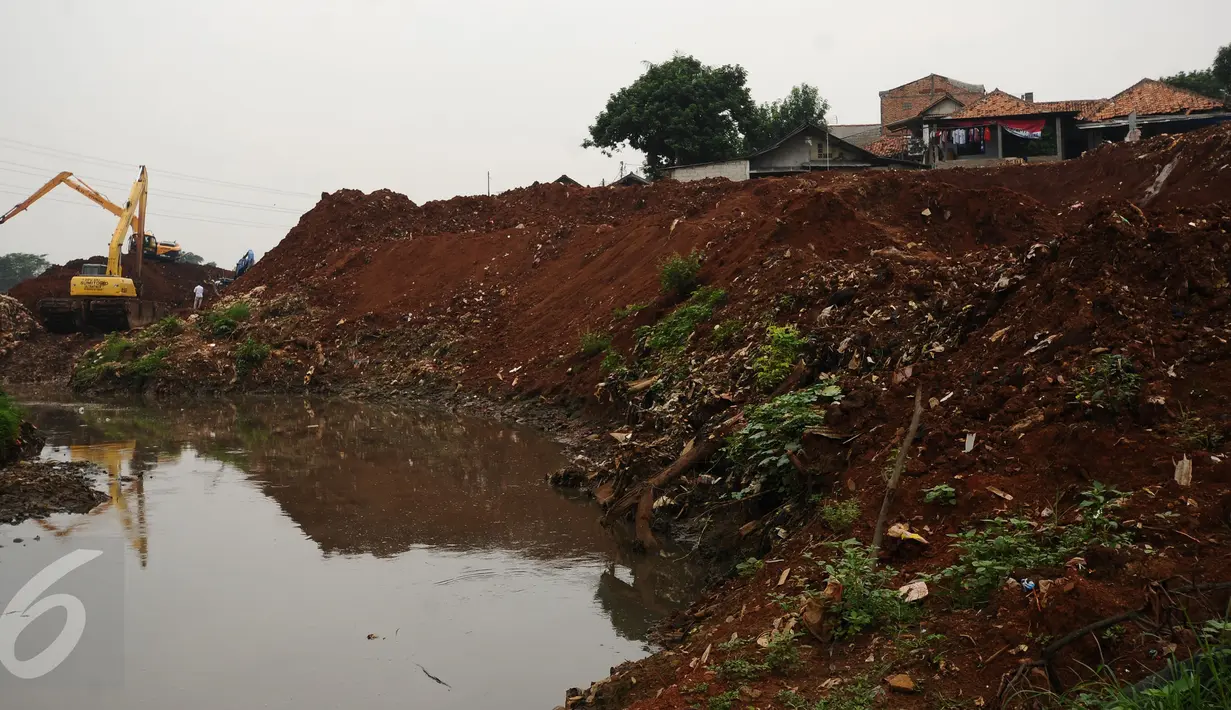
pixel 56 152
pixel 169 194
pixel 190 217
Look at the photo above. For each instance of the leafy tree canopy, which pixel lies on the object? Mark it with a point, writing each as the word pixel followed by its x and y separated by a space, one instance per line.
pixel 776 120
pixel 1214 82
pixel 17 267
pixel 678 112
pixel 682 111
pixel 190 258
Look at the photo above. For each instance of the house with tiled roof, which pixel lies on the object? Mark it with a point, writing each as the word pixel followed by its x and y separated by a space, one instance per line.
pixel 808 149
pixel 1000 125
pixel 933 95
pixel 1152 107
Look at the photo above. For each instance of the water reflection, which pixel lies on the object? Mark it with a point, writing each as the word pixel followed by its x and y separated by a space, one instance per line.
pixel 362 480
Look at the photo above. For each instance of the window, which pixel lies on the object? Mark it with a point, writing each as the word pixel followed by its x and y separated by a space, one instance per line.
pixel 907 106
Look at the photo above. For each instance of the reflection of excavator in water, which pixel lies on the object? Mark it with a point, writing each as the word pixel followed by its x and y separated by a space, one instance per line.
pixel 101 296
pixel 112 457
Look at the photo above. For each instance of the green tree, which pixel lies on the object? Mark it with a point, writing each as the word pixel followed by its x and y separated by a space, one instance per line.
pixel 190 258
pixel 678 112
pixel 778 119
pixel 17 267
pixel 1214 82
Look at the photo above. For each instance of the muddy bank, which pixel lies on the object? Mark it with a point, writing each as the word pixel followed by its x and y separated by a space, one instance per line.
pixel 37 489
pixel 1069 330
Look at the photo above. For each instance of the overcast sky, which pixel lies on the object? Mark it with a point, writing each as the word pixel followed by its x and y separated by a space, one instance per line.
pixel 304 96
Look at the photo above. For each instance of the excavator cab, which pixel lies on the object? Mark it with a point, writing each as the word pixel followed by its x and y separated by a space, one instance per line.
pixel 160 251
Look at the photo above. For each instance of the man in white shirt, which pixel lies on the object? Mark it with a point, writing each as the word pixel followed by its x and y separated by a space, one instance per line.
pixel 198 293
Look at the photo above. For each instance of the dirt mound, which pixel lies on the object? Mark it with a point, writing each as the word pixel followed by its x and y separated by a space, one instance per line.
pixel 37 489
pixel 1015 295
pixel 16 324
pixel 169 283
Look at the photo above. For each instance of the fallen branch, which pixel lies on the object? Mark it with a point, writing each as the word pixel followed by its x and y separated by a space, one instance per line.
pixel 693 454
pixel 898 467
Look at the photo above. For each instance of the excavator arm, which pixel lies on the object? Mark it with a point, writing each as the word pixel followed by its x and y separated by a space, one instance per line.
pixel 66 178
pixel 134 209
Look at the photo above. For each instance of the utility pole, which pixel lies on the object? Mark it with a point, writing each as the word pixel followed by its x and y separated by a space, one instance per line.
pixel 489 183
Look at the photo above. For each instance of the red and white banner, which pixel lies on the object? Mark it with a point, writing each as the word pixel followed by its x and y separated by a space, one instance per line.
pixel 1029 128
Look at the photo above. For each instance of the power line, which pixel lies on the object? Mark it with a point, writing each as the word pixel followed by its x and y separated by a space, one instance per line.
pixel 169 194
pixel 33 148
pixel 167 215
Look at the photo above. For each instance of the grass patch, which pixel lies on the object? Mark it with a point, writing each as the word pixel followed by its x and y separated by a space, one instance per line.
pixel 678 274
pixel 941 495
pixel 145 366
pixel 593 343
pixel 775 358
pixel 775 430
pixel 739 670
pixel 221 323
pixel 725 333
pixel 867 599
pixel 1198 434
pixel 989 555
pixel 672 332
pixel 840 516
pixel 1204 681
pixel 1111 382
pixel 631 309
pixel 10 426
pixel 168 327
pixel 109 356
pixel 613 364
pixel 249 356
pixel 725 701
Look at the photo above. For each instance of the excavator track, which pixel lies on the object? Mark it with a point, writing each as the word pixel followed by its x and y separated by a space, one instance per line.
pixel 76 315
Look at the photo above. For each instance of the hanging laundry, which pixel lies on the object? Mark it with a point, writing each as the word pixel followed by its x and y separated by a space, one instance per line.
pixel 987 134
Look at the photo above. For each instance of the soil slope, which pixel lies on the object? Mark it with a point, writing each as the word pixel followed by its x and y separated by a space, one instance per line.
pixel 1067 323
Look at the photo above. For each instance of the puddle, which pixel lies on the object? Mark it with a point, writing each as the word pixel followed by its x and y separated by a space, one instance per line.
pixel 267 539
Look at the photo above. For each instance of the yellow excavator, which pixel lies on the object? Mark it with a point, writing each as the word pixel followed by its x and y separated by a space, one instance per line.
pixel 152 248
pixel 102 297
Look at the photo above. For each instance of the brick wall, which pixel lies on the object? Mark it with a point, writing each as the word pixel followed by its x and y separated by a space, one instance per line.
pixel 911 99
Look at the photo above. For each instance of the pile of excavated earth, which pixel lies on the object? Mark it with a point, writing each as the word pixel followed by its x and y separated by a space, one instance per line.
pixel 1064 325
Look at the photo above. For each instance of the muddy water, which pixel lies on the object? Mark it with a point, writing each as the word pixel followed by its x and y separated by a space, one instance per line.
pixel 265 541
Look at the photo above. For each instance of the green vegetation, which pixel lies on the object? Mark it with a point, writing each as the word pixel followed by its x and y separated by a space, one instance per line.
pixel 1111 382
pixel 672 332
pixel 1214 81
pixel 613 363
pixel 782 654
pixel 222 323
pixel 725 701
pixel 740 670
pixel 249 356
pixel 631 309
pixel 695 689
pixel 10 426
pixel 108 356
pixel 775 430
pixel 775 358
pixel 593 343
pixel 867 600
pixel 840 516
pixel 166 328
pixel 1202 682
pixel 678 274
pixel 17 267
pixel 858 694
pixel 1198 434
pixel 1003 545
pixel 749 567
pixel 724 333
pixel 942 495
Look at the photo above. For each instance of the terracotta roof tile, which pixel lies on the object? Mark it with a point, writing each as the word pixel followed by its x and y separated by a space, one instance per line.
pixel 888 146
pixel 1149 97
pixel 998 103
pixel 921 94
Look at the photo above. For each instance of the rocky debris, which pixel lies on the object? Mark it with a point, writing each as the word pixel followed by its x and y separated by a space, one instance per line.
pixel 37 489
pixel 16 324
pixel 901 683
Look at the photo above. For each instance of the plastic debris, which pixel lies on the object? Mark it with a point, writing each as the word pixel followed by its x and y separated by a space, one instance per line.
pixel 1184 472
